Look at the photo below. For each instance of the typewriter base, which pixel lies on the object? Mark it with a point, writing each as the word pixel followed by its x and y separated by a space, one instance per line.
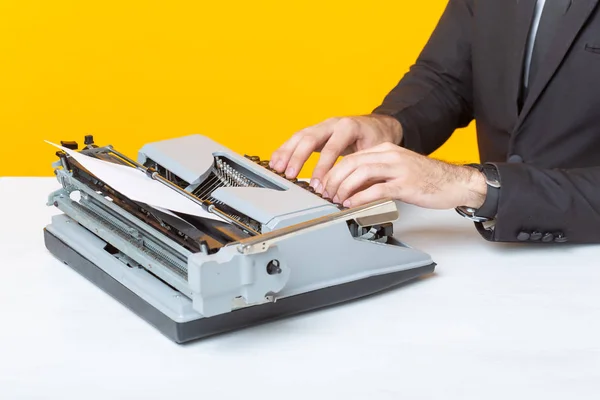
pixel 182 332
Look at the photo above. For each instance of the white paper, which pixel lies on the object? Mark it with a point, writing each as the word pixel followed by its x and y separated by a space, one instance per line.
pixel 137 186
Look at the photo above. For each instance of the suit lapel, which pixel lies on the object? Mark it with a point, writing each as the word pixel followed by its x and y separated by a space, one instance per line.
pixel 525 10
pixel 576 14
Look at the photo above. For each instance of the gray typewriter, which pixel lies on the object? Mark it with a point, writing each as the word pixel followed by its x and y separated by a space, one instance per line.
pixel 277 250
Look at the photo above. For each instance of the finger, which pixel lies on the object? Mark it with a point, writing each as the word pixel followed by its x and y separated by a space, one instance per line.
pixel 342 138
pixel 281 156
pixel 311 142
pixel 381 148
pixel 373 193
pixel 364 177
pixel 333 179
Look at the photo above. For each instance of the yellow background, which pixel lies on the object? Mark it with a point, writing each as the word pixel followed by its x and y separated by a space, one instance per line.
pixel 246 73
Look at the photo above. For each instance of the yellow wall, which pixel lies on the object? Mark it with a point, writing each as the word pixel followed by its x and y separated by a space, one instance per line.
pixel 246 73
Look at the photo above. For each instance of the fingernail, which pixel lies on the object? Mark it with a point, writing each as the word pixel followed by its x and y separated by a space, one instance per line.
pixel 290 171
pixel 325 194
pixel 319 188
pixel 278 165
pixel 336 199
pixel 315 183
pixel 347 204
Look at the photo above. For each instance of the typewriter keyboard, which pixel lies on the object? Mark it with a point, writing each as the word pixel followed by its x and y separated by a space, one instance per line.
pixel 302 184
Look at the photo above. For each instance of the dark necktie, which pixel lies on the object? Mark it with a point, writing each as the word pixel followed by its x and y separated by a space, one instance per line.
pixel 551 15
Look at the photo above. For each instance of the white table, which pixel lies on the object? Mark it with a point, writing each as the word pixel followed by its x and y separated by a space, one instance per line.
pixel 496 321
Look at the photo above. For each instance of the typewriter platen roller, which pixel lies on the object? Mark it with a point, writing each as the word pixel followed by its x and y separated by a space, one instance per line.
pixel 280 248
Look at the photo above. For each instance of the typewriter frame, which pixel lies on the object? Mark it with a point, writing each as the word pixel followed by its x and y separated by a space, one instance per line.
pixel 192 278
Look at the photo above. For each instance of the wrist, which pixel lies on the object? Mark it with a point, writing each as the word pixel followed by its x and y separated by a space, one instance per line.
pixel 391 126
pixel 475 189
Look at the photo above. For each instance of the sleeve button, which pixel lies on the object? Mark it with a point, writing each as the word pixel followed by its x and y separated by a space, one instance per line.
pixel 547 238
pixel 515 159
pixel 535 236
pixel 560 238
pixel 523 236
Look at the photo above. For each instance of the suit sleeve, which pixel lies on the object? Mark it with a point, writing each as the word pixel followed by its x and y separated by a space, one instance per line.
pixel 434 98
pixel 546 205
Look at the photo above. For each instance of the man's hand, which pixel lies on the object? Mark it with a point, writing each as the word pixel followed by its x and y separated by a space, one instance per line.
pixel 390 171
pixel 333 138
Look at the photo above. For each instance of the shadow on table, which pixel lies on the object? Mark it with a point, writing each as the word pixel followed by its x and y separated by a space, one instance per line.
pixel 268 331
pixel 427 239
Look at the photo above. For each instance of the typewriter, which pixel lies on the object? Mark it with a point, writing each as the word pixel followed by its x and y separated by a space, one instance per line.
pixel 276 250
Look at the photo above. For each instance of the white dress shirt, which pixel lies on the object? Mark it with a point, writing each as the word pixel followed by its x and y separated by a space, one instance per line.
pixel 534 28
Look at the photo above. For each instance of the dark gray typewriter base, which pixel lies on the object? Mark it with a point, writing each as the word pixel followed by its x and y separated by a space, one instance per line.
pixel 242 318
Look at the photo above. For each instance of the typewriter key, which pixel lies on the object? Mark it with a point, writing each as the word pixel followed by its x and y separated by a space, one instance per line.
pixel 252 158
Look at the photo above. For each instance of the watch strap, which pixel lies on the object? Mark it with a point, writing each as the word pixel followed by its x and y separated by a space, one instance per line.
pixel 489 208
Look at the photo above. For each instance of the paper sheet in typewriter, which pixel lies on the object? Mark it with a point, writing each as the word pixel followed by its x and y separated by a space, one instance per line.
pixel 135 185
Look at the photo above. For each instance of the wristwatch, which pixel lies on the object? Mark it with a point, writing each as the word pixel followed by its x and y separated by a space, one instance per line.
pixel 489 209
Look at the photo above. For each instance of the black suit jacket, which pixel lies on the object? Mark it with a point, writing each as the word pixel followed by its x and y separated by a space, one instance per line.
pixel 548 152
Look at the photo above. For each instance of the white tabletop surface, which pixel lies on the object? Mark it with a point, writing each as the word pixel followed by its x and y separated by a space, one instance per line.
pixel 495 321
